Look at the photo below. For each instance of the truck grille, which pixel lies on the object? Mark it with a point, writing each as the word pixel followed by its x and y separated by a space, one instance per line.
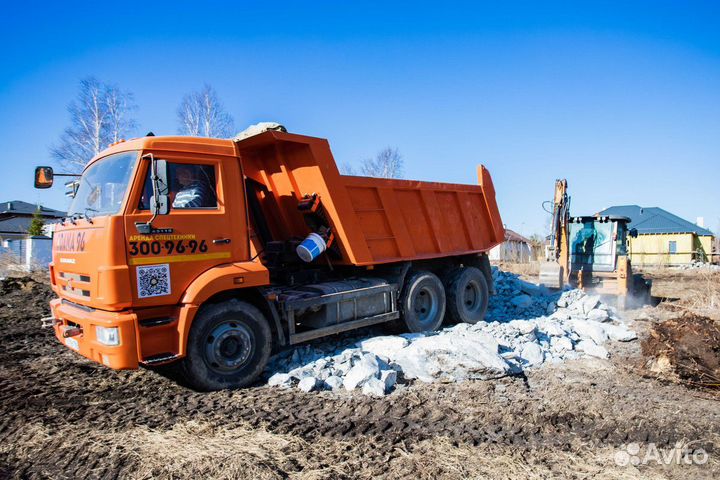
pixel 76 277
pixel 75 283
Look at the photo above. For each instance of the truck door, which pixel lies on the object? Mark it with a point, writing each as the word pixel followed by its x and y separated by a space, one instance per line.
pixel 205 226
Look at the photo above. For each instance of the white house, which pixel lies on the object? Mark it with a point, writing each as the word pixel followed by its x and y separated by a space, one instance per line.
pixel 515 249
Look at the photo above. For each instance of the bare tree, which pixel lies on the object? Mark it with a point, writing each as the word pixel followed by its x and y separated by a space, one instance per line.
pixel 99 116
pixel 537 245
pixel 388 163
pixel 347 168
pixel 201 114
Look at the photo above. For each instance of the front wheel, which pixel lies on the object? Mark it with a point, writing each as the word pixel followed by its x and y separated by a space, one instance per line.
pixel 228 347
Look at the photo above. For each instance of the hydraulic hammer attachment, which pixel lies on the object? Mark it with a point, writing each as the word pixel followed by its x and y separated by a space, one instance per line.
pixel 552 275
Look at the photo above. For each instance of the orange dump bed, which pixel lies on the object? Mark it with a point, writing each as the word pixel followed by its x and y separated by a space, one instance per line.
pixel 375 220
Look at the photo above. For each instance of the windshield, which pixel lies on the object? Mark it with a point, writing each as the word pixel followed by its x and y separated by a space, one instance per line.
pixel 103 185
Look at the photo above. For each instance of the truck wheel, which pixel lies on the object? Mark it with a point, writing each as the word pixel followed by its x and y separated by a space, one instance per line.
pixel 467 295
pixel 228 347
pixel 422 303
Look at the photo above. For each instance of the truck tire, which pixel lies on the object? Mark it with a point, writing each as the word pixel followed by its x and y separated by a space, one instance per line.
pixel 228 347
pixel 467 295
pixel 422 303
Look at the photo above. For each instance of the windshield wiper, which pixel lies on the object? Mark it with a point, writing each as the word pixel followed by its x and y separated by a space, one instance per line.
pixel 75 216
pixel 87 216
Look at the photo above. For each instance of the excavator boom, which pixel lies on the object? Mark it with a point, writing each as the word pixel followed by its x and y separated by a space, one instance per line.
pixel 554 272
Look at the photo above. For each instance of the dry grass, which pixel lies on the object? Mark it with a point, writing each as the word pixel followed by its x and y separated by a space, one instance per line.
pixel 698 292
pixel 706 299
pixel 198 450
pixel 9 264
pixel 528 271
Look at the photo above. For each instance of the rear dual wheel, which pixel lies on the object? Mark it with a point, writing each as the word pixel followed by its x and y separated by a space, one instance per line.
pixel 422 302
pixel 467 295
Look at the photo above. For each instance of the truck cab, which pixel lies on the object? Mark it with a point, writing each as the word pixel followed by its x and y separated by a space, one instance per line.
pixel 212 252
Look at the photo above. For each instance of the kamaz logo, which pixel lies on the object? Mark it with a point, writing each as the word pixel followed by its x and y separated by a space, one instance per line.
pixel 69 242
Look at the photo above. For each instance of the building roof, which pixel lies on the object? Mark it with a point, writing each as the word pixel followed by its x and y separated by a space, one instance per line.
pixel 15 225
pixel 650 220
pixel 18 207
pixel 513 236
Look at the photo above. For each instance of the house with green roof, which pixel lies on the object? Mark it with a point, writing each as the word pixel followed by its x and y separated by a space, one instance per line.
pixel 664 239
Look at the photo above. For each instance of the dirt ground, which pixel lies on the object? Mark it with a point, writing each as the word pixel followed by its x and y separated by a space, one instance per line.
pixel 64 417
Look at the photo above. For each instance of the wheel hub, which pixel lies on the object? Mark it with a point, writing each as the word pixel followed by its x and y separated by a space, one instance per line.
pixel 426 304
pixel 471 296
pixel 228 346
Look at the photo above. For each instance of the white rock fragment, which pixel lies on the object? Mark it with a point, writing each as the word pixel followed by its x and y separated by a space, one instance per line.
pixel 552 328
pixel 366 368
pixel 452 358
pixel 333 382
pixel 598 315
pixel 620 333
pixel 561 344
pixel 308 384
pixel 385 347
pixel 592 330
pixel 522 301
pixel 532 354
pixel 388 378
pixel 280 380
pixel 590 302
pixel 591 348
pixel 374 386
pixel 523 326
pixel 530 289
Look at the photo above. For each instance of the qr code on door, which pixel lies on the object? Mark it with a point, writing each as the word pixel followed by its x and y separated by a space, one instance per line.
pixel 153 281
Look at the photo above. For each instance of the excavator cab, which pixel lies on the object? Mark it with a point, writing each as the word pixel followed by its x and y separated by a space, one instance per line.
pixel 597 242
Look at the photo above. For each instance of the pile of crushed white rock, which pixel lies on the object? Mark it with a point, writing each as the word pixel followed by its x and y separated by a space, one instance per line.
pixel 526 326
pixel 698 265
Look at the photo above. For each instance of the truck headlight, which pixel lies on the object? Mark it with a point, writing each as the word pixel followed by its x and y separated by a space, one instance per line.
pixel 107 335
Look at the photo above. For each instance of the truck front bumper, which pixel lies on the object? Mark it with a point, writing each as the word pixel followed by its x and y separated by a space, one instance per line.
pixel 70 317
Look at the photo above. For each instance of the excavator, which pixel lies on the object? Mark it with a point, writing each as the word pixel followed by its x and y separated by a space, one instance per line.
pixel 590 253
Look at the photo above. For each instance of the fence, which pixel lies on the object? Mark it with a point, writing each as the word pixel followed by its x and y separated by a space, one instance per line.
pixel 28 253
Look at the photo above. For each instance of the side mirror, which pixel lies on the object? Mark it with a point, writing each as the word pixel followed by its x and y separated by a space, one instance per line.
pixel 159 199
pixel 43 177
pixel 159 206
pixel 633 233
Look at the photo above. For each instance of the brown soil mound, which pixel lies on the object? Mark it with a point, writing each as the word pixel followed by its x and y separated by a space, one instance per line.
pixel 689 347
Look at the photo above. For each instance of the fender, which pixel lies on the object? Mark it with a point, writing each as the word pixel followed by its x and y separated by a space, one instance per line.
pixel 230 276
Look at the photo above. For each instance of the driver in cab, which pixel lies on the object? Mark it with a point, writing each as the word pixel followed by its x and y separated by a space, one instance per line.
pixel 194 191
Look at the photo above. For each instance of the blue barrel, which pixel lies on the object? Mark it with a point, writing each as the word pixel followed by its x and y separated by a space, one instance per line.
pixel 311 247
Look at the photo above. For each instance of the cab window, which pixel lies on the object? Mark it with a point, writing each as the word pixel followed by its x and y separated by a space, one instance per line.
pixel 192 186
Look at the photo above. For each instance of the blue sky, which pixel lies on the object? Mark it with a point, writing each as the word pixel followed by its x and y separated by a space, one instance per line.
pixel 622 99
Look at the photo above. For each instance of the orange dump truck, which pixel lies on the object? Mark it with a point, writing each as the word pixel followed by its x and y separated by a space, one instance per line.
pixel 212 252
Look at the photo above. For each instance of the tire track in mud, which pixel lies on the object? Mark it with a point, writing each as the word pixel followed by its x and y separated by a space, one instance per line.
pixel 74 393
